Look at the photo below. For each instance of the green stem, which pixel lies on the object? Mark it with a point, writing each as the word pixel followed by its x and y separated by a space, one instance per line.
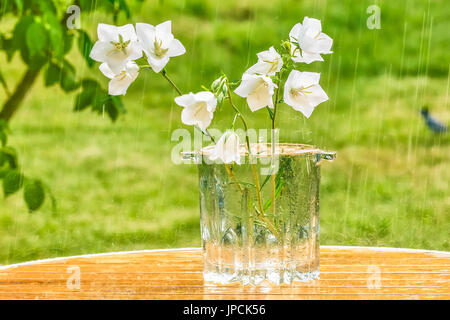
pixel 239 114
pixel 233 177
pixel 275 105
pixel 164 74
pixel 259 212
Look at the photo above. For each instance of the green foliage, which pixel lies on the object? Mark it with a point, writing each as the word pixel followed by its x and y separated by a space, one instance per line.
pixel 68 80
pixel 12 182
pixel 36 39
pixel 34 194
pixel 12 178
pixel 85 46
pixel 43 40
pixel 52 74
pixel 99 100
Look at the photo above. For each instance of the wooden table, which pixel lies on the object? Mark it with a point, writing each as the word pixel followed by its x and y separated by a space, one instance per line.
pixel 346 273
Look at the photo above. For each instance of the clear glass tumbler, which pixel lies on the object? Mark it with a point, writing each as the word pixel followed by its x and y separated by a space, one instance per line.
pixel 260 219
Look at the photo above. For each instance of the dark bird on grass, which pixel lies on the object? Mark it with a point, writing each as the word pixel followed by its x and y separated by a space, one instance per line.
pixel 433 124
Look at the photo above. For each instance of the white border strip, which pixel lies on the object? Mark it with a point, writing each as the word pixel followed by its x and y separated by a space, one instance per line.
pixel 95 255
pixel 387 249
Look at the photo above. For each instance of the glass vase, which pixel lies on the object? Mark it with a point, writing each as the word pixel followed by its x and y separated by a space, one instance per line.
pixel 260 219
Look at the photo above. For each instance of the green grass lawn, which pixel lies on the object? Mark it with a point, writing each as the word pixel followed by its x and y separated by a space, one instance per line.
pixel 115 184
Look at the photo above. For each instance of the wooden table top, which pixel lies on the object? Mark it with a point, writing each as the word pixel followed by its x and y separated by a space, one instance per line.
pixel 346 273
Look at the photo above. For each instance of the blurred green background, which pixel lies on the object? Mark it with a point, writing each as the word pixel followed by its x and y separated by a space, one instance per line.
pixel 117 188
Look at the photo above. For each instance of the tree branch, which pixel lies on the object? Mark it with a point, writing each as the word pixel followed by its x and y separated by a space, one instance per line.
pixel 14 101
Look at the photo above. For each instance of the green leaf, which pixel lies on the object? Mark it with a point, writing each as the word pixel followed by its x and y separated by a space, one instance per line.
pixel 111 109
pixel 56 34
pixel 67 43
pixel 32 40
pixel 84 98
pixel 3 173
pixel 8 155
pixel 265 181
pixel 12 182
pixel 88 82
pixel 279 182
pixel 100 99
pixel 36 39
pixel 34 194
pixel 68 81
pixel 85 46
pixel 244 184
pixel 3 138
pixel 117 101
pixel 20 31
pixel 270 112
pixel 52 74
pixel 7 45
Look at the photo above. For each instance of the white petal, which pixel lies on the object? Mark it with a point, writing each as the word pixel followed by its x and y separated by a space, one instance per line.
pixel 267 55
pixel 295 32
pixel 146 35
pixel 306 109
pixel 127 32
pixel 107 32
pixel 227 148
pixel 165 27
pixel 317 95
pixel 260 98
pixel 306 79
pixel 134 50
pixel 164 33
pixel 248 84
pixel 217 152
pixel 116 63
pixel 144 28
pixel 307 57
pixel 209 98
pixel 312 26
pixel 324 44
pixel 119 86
pixel 274 52
pixel 259 67
pixel 99 50
pixel 132 69
pixel 298 103
pixel 204 119
pixel 106 70
pixel 204 96
pixel 293 77
pixel 232 149
pixel 157 64
pixel 197 114
pixel 187 116
pixel 176 48
pixel 185 100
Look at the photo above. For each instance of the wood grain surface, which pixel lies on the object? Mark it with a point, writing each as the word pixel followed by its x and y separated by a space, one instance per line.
pixel 346 273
